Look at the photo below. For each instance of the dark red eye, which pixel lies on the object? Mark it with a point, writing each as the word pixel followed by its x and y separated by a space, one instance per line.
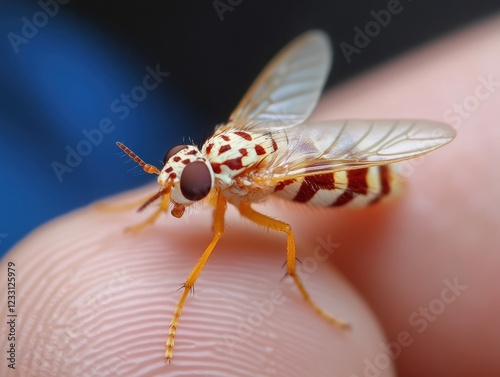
pixel 196 181
pixel 173 151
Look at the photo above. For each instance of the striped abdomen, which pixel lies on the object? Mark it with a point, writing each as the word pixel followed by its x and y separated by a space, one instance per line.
pixel 359 187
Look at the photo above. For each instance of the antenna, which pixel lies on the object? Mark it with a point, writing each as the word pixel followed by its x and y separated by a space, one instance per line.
pixel 150 169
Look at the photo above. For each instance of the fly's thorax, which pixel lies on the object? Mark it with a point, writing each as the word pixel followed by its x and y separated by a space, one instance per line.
pixel 188 172
pixel 235 152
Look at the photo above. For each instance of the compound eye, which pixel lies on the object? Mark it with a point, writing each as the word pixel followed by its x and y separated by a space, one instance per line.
pixel 196 181
pixel 173 151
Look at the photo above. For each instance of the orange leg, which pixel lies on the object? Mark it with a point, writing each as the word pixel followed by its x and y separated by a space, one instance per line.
pixel 260 219
pixel 105 207
pixel 219 212
pixel 151 219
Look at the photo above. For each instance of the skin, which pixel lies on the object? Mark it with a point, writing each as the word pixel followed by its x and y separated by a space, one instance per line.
pixel 93 301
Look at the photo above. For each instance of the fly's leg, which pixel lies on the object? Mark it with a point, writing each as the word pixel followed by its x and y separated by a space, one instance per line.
pixel 260 219
pixel 114 208
pixel 151 219
pixel 218 225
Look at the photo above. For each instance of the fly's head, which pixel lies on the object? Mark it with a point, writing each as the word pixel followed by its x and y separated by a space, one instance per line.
pixel 189 176
pixel 186 177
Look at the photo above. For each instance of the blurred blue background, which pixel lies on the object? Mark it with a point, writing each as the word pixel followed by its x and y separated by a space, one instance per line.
pixel 62 82
pixel 65 78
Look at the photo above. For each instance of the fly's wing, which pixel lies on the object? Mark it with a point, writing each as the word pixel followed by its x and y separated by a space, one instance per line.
pixel 310 149
pixel 288 88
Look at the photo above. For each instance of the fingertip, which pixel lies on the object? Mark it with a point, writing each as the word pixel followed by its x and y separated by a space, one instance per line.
pixel 96 300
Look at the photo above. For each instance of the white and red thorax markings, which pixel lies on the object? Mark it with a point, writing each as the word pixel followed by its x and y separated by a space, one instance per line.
pixel 234 156
pixel 231 153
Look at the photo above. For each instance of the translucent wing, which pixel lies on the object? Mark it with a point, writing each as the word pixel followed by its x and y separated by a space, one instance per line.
pixel 288 88
pixel 309 149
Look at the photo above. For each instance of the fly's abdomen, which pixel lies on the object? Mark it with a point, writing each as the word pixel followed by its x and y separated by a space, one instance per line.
pixel 356 188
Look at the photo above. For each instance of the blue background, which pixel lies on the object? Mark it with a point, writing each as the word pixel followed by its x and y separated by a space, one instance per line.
pixel 59 83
